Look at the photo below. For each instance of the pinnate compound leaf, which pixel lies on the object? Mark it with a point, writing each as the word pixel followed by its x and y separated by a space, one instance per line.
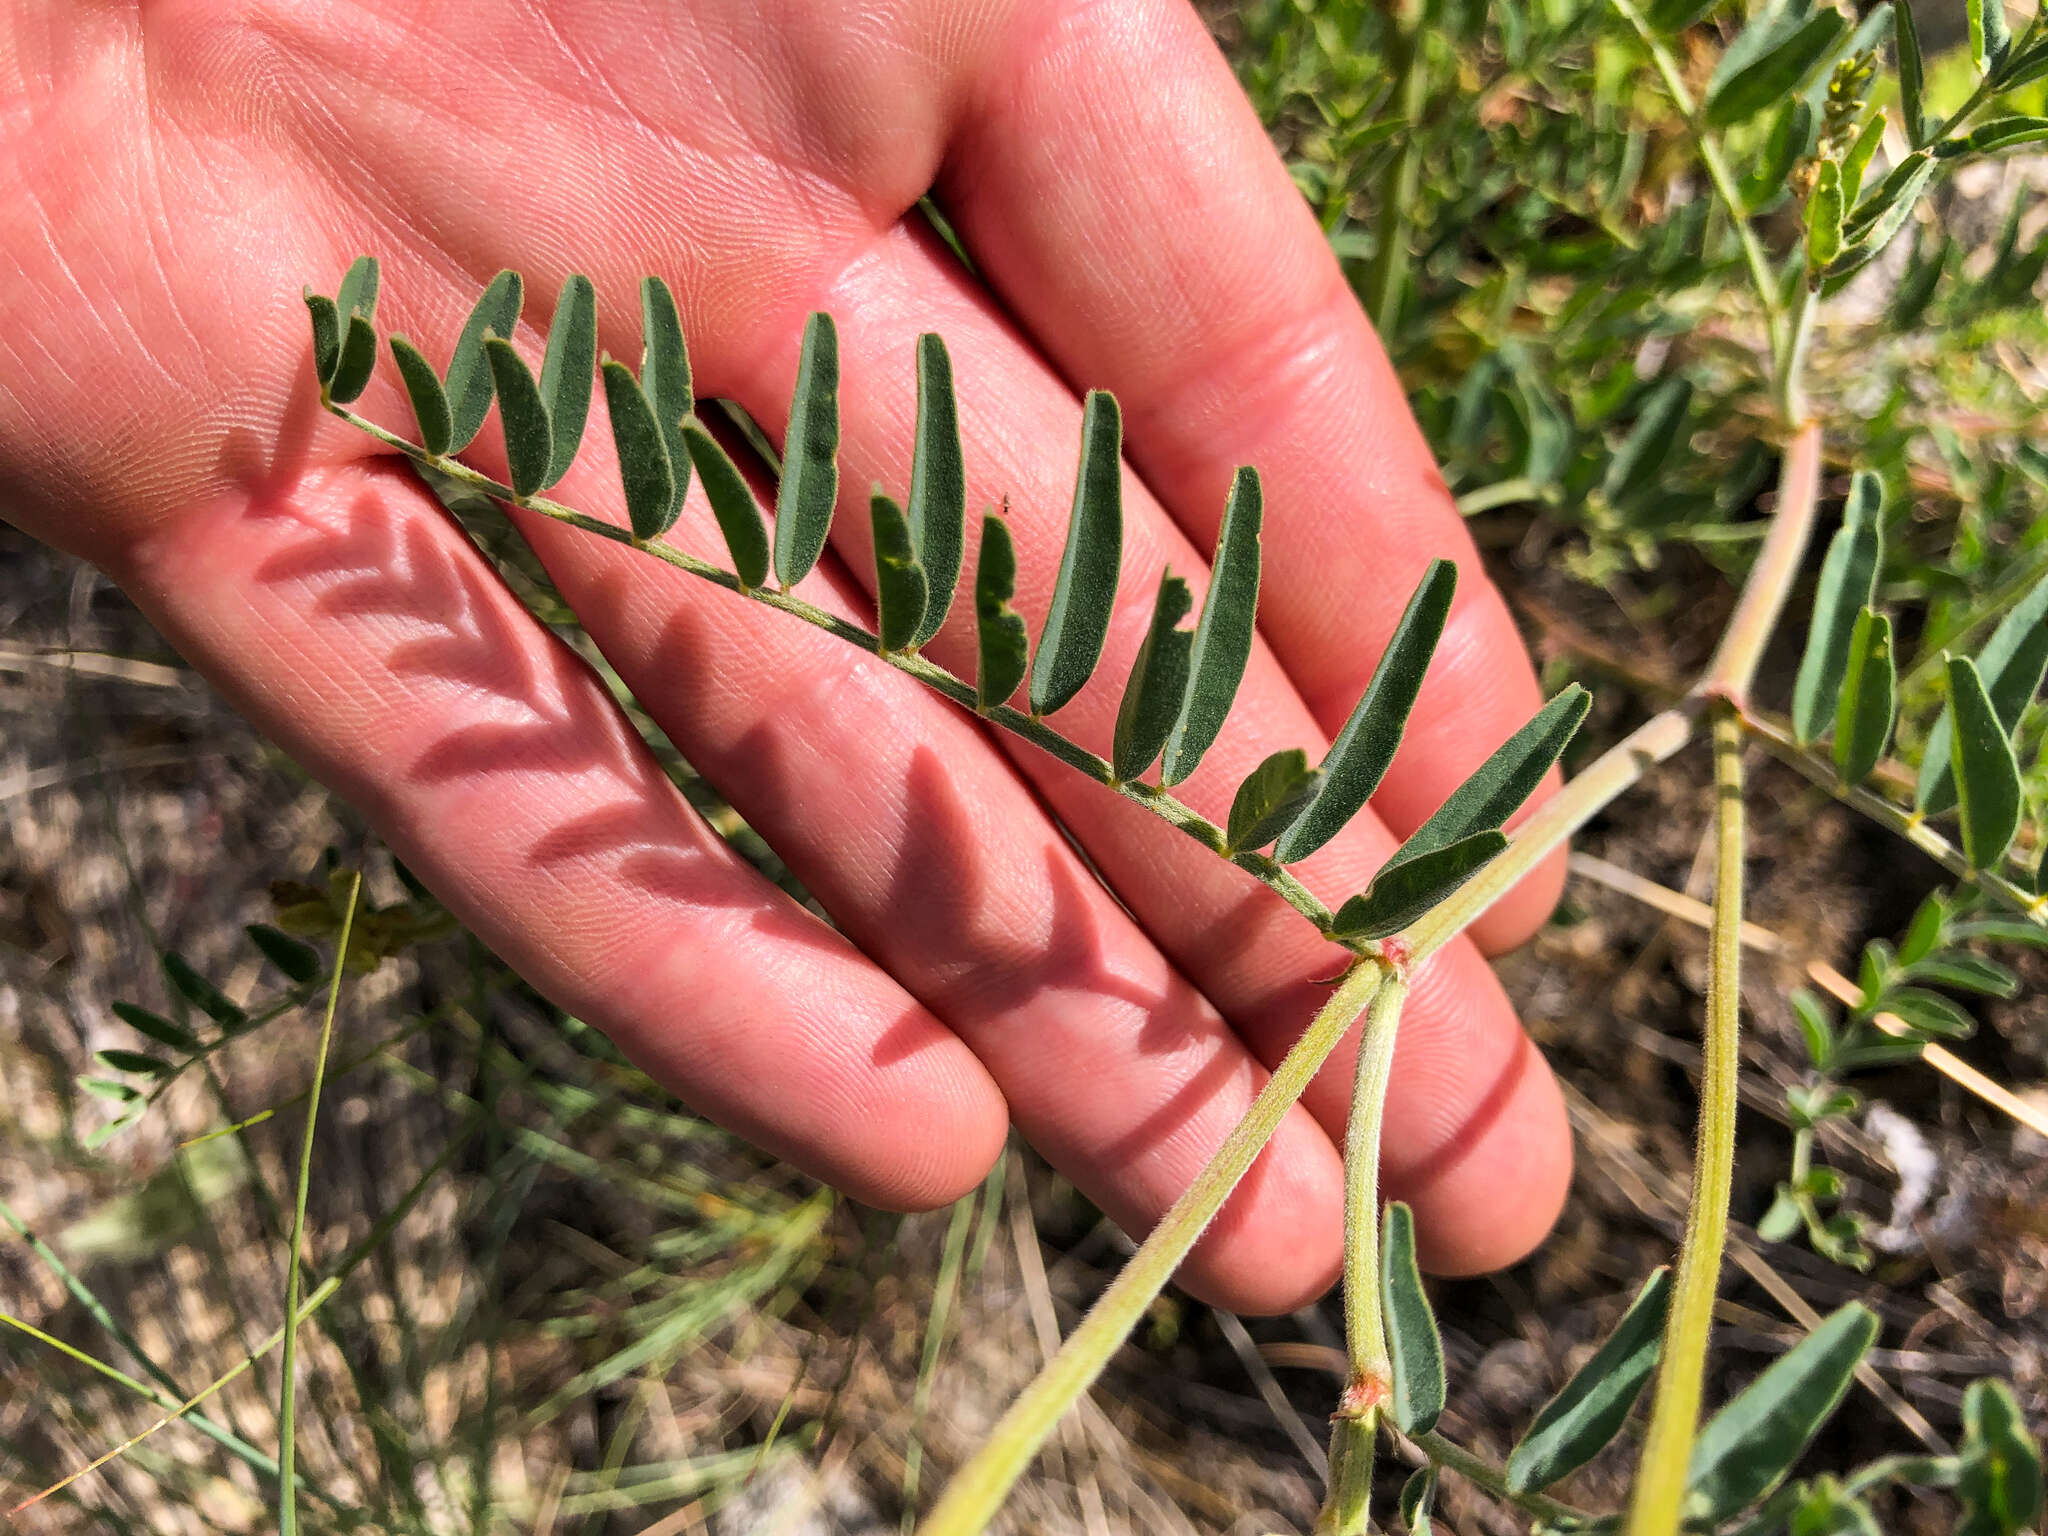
pixel 2011 666
pixel 1753 1441
pixel 1001 642
pixel 1405 889
pixel 1770 59
pixel 1659 420
pixel 732 503
pixel 423 388
pixel 645 472
pixel 326 335
pixel 1411 1326
pixel 470 380
pixel 567 372
pixel 665 377
pixel 1990 38
pixel 2001 1483
pixel 1989 792
pixel 201 993
pixel 1085 592
pixel 901 590
pixel 1418 1494
pixel 299 960
pixel 1158 683
pixel 157 1028
pixel 141 1063
pixel 938 483
pixel 1848 578
pixel 1270 797
pixel 1358 758
pixel 529 440
pixel 1223 634
pixel 1576 1425
pixel 1912 72
pixel 1868 706
pixel 810 455
pixel 1497 788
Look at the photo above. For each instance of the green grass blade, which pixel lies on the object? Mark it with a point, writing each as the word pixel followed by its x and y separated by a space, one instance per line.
pixel 938 483
pixel 529 437
pixel 1848 579
pixel 1577 1424
pixel 732 503
pixel 1001 642
pixel 469 382
pixel 665 376
pixel 1407 888
pixel 1223 634
pixel 567 372
pixel 294 1275
pixel 1269 799
pixel 1499 786
pixel 2011 664
pixel 901 589
pixel 1412 1341
pixel 429 400
pixel 1158 683
pixel 810 456
pixel 1989 791
pixel 645 472
pixel 1869 702
pixel 1359 757
pixel 1085 592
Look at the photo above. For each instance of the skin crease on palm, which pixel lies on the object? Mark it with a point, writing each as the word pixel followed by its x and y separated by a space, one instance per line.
pixel 175 171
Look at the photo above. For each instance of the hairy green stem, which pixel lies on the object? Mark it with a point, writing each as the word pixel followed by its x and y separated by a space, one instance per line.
pixel 978 1489
pixel 1659 1497
pixel 1347 1507
pixel 1733 669
pixel 1478 1470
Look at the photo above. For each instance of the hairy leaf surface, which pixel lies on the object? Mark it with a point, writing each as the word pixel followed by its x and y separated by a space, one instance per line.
pixel 938 483
pixel 732 503
pixel 1223 634
pixel 810 455
pixel 1158 683
pixel 1085 593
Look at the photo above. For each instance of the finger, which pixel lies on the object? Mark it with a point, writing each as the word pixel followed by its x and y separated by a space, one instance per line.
pixel 1249 952
pixel 932 854
pixel 348 617
pixel 1153 244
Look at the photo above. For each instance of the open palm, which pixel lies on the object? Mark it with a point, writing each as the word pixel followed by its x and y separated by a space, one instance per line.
pixel 175 172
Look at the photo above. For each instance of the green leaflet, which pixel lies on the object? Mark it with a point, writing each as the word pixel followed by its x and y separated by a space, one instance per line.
pixel 326 335
pixel 566 373
pixel 1857 161
pixel 1989 791
pixel 1912 74
pixel 2001 1465
pixel 1417 1495
pixel 1868 705
pixel 1358 758
pixel 1412 1340
pixel 1000 638
pixel 423 388
pixel 298 960
pixel 358 359
pixel 810 455
pixel 1929 1013
pixel 645 471
pixel 1223 634
pixel 1878 217
pixel 357 294
pixel 1990 40
pixel 1408 888
pixel 1967 973
pixel 1496 790
pixel 1752 1442
pixel 1824 210
pixel 1848 578
pixel 665 376
pixel 1789 41
pixel 1085 593
pixel 141 1063
pixel 201 993
pixel 901 588
pixel 2011 665
pixel 938 483
pixel 529 440
pixel 1158 683
pixel 1577 1424
pixel 469 372
pixel 157 1028
pixel 1270 797
pixel 1635 465
pixel 732 503
pixel 1988 138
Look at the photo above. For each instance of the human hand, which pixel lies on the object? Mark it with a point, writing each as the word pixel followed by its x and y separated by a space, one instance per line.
pixel 177 173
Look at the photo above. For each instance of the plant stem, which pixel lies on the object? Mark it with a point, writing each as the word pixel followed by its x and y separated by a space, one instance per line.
pixel 1733 669
pixel 1674 1412
pixel 1347 1507
pixel 1477 1469
pixel 1388 276
pixel 978 1489
pixel 294 1274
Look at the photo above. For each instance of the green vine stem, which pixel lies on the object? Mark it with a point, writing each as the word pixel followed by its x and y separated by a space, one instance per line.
pixel 978 1489
pixel 1661 1475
